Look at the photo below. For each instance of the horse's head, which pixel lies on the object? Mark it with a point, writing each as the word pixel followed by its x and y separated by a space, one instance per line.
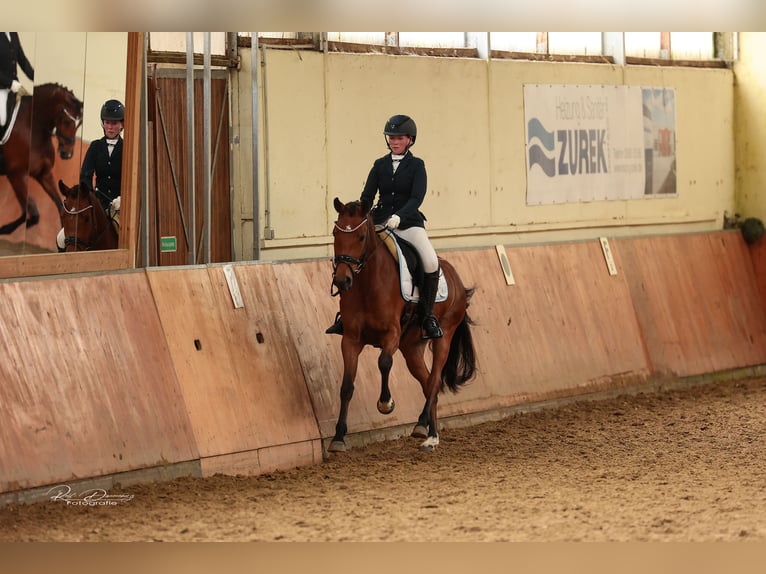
pixel 61 111
pixel 82 217
pixel 354 236
pixel 68 121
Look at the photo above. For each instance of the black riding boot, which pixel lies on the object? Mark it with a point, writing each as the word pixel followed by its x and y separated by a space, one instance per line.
pixel 337 327
pixel 430 327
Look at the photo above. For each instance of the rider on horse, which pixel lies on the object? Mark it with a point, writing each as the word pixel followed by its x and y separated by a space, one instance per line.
pixel 104 160
pixel 399 179
pixel 11 56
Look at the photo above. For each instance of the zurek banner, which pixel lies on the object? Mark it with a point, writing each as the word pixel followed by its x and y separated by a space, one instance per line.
pixel 592 143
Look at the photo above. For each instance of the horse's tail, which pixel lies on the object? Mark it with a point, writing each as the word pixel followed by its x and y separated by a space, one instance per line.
pixel 461 361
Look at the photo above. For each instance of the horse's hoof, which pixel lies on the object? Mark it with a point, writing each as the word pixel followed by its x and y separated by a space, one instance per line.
pixel 430 444
pixel 337 446
pixel 386 408
pixel 419 432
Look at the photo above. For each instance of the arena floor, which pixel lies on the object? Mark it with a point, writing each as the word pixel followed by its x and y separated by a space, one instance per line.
pixel 675 465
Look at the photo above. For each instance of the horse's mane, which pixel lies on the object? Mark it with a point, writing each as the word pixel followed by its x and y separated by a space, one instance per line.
pixel 51 89
pixel 353 206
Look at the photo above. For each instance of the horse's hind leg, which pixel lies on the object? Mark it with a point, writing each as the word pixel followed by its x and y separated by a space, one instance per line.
pixel 434 384
pixel 416 364
pixel 19 184
pixel 33 214
pixel 50 187
pixel 350 350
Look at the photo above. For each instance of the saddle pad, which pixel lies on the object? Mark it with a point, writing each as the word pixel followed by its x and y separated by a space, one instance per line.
pixel 409 292
pixel 9 126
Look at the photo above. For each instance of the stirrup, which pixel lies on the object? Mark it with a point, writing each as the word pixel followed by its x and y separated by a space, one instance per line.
pixel 337 327
pixel 431 328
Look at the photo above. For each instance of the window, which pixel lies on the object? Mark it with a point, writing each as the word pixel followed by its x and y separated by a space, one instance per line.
pixel 572 46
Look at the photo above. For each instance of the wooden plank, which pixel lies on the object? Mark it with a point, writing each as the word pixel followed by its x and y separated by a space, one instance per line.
pixel 697 301
pixel 85 373
pixel 567 326
pixel 757 252
pixel 240 377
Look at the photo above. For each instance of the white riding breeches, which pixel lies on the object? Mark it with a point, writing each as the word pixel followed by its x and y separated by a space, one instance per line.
pixel 4 106
pixel 419 239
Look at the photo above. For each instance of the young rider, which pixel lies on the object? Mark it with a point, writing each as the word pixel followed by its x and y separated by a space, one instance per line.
pixel 399 181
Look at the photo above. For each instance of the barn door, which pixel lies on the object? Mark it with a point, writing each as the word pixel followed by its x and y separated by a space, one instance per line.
pixel 169 210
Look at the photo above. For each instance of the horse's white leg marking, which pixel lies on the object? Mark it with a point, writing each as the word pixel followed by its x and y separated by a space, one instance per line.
pixel 386 408
pixel 430 443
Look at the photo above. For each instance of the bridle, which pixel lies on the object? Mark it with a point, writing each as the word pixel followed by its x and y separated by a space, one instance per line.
pixel 355 264
pixel 92 240
pixel 77 120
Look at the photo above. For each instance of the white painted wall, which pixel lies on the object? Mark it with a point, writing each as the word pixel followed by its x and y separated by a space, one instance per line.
pixel 750 125
pixel 321 122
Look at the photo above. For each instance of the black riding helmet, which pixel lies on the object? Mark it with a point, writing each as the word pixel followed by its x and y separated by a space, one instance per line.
pixel 401 125
pixel 113 110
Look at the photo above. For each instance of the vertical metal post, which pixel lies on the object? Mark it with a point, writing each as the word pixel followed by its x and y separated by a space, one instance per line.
pixel 206 191
pixel 144 222
pixel 191 195
pixel 255 65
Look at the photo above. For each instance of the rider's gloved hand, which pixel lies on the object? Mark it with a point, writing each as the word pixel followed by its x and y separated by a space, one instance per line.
pixel 15 86
pixel 393 222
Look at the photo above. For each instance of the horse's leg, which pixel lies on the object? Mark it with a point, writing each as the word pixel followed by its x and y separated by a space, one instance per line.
pixel 440 353
pixel 33 214
pixel 388 348
pixel 350 350
pixel 413 356
pixel 386 403
pixel 46 181
pixel 19 183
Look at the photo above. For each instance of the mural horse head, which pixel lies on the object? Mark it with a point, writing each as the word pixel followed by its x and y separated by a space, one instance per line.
pixel 29 151
pixel 374 312
pixel 87 227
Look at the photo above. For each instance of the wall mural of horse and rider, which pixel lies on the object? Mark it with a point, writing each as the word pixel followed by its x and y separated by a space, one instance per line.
pixel 42 136
pixel 29 151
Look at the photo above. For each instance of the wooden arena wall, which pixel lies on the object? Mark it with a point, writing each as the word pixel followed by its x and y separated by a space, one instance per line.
pixel 149 374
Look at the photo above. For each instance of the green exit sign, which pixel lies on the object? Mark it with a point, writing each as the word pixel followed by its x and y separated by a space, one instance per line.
pixel 167 244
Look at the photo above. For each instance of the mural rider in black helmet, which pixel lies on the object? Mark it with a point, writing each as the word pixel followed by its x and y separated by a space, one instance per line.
pixel 104 160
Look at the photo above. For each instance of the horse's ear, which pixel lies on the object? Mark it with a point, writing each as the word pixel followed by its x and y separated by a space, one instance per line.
pixel 63 188
pixel 366 205
pixel 338 205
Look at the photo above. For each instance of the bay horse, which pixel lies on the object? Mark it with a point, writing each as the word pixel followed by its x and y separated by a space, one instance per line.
pixel 87 227
pixel 29 150
pixel 366 276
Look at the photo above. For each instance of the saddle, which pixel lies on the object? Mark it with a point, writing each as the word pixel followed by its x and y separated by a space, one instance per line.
pixel 410 266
